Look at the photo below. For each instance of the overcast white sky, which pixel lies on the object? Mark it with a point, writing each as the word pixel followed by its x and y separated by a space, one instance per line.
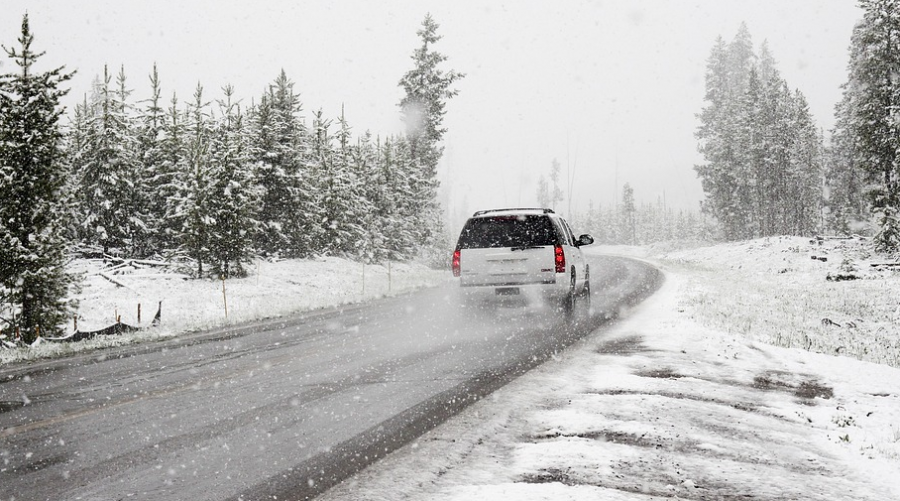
pixel 609 88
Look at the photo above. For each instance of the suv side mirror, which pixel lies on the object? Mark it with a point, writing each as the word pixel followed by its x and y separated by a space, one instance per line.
pixel 584 240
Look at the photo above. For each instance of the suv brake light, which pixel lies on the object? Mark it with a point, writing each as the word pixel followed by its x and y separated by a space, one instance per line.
pixel 456 255
pixel 559 258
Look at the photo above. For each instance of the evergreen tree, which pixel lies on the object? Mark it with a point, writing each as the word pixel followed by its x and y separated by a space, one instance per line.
pixel 427 88
pixel 543 192
pixel 193 209
pixel 628 221
pixel 170 184
pixel 280 147
pixel 138 223
pixel 109 171
pixel 156 175
pixel 344 199
pixel 400 218
pixel 374 192
pixel 34 283
pixel 233 201
pixel 846 200
pixel 872 98
pixel 762 174
pixel 556 194
pixel 805 196
pixel 718 144
pixel 76 143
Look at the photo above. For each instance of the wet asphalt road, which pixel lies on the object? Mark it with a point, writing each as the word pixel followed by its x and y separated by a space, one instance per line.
pixel 282 408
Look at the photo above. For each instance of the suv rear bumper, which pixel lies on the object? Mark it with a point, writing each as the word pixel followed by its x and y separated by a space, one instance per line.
pixel 547 288
pixel 505 282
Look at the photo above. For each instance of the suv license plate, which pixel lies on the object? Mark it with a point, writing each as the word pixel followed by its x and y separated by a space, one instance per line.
pixel 507 291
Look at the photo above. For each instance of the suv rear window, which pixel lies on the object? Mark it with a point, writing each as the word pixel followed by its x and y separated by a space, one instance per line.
pixel 507 231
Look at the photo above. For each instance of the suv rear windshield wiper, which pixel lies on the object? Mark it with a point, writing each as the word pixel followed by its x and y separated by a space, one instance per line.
pixel 526 247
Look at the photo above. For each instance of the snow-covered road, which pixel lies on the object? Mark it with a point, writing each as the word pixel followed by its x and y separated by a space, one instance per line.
pixel 657 406
pixel 281 408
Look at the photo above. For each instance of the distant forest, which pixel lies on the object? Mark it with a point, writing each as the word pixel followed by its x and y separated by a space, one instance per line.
pixel 767 169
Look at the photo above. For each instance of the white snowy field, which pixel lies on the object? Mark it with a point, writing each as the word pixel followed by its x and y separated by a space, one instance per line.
pixel 273 289
pixel 690 396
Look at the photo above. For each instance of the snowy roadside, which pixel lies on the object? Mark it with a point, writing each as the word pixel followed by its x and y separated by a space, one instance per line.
pixel 272 289
pixel 688 398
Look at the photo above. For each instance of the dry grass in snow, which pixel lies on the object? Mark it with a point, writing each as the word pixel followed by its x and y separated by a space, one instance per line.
pixel 819 295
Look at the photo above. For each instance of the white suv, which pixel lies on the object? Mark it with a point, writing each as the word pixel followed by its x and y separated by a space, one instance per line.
pixel 503 252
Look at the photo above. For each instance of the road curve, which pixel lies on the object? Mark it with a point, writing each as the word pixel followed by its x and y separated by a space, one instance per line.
pixel 284 408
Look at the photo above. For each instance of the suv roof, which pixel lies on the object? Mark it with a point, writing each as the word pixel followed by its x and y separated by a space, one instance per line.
pixel 523 210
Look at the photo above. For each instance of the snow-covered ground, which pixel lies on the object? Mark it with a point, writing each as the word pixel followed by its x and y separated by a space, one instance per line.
pixel 272 289
pixel 749 374
pixel 690 396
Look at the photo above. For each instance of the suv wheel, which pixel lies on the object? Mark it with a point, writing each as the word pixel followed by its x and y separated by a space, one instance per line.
pixel 586 291
pixel 568 302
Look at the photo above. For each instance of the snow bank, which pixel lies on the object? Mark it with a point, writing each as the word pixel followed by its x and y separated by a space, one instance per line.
pixel 272 289
pixel 687 397
pixel 821 295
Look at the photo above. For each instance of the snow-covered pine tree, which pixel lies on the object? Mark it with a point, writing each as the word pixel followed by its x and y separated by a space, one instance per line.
pixel 716 134
pixel 805 166
pixel 75 147
pixel 427 88
pixel 34 283
pixel 762 152
pixel 401 220
pixel 138 230
pixel 628 222
pixel 543 192
pixel 108 172
pixel 234 199
pixel 171 184
pixel 373 190
pixel 345 201
pixel 318 179
pixel 873 92
pixel 846 202
pixel 556 194
pixel 593 222
pixel 193 210
pixel 156 174
pixel 281 147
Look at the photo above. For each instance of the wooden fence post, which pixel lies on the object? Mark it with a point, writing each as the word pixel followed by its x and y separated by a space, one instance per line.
pixel 224 296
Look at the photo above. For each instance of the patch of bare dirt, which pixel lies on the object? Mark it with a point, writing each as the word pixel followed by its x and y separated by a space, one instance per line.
pixel 661 373
pixel 800 385
pixel 629 345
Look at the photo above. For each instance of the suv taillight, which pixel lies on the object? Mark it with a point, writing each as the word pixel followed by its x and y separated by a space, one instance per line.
pixel 560 258
pixel 456 254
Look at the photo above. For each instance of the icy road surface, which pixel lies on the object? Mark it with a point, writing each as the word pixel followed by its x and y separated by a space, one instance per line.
pixel 285 408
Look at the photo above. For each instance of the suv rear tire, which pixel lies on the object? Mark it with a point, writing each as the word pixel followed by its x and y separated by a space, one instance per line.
pixel 586 291
pixel 570 299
